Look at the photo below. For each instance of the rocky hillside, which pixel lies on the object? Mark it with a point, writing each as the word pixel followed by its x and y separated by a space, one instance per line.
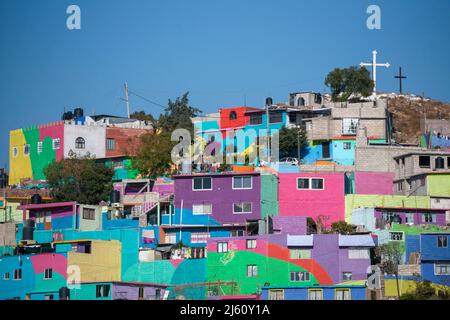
pixel 407 112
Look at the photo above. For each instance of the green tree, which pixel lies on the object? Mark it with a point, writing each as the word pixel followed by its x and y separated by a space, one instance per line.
pixel 178 114
pixel 79 179
pixel 141 115
pixel 291 141
pixel 425 291
pixel 153 158
pixel 345 82
pixel 342 227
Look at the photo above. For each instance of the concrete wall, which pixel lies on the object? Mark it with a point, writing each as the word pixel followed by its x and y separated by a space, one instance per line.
pixel 94 136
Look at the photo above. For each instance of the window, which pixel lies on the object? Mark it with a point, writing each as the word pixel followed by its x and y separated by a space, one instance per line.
pixel 252 270
pixel 255 119
pixel 233 115
pixel 442 269
pixel 342 294
pixel 82 247
pixel 48 297
pixel 39 147
pixel 205 208
pixel 396 236
pixel 242 207
pixel 293 117
pixel 347 145
pixel 56 144
pixel 199 237
pixel 102 290
pixel 315 294
pixel 409 218
pixel 316 183
pixel 300 253
pixel 170 238
pixel 358 254
pixel 302 183
pixel 349 125
pixel 222 247
pixel 276 294
pixel 80 143
pixel 400 186
pixel 110 144
pixel 43 216
pixel 448 162
pixel 157 294
pixel 442 241
pixel 15 151
pixel 429 218
pixel 237 233
pixel 6 276
pixel 251 243
pixel 439 163
pixel 424 161
pixel 88 214
pixel 310 183
pixel 242 182
pixel 141 293
pixel 204 183
pixel 26 149
pixel 298 276
pixel 48 273
pixel 18 274
pixel 276 117
pixel 346 276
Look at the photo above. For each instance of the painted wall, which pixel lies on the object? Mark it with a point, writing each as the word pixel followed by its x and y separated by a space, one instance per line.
pixel 102 264
pixel 328 203
pixel 32 166
pixel 126 140
pixel 269 195
pixel 222 196
pixel 438 185
pixel 379 183
pixel 353 201
pixel 94 137
pixel 328 292
pixel 33 269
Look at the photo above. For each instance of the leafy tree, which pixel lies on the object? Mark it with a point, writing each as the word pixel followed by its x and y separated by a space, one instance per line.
pixel 342 227
pixel 391 255
pixel 425 291
pixel 345 82
pixel 291 140
pixel 141 115
pixel 153 158
pixel 178 114
pixel 79 179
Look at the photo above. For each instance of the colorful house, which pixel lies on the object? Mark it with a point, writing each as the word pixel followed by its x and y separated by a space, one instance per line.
pixel 337 292
pixel 287 261
pixel 316 195
pixel 32 149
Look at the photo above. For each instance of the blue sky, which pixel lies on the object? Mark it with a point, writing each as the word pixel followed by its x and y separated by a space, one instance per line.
pixel 221 51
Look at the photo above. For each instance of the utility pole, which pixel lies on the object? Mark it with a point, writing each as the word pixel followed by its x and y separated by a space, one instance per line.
pixel 127 101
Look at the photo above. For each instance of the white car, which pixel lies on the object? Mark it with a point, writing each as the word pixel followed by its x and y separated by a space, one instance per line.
pixel 289 161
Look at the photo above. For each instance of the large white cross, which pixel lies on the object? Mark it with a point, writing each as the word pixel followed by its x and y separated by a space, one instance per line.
pixel 374 66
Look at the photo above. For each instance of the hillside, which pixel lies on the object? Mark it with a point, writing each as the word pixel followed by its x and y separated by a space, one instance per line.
pixel 407 112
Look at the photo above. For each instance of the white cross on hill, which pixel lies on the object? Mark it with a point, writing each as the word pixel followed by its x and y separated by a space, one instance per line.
pixel 374 66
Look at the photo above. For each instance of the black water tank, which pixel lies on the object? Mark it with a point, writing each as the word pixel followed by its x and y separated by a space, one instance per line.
pixel 115 196
pixel 3 179
pixel 64 293
pixel 36 199
pixel 67 115
pixel 269 101
pixel 78 112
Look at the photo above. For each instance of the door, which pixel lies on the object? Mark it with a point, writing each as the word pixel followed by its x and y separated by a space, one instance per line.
pixel 326 150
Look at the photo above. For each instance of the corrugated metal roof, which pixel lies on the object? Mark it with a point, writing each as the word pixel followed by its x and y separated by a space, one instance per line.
pixel 300 240
pixel 359 240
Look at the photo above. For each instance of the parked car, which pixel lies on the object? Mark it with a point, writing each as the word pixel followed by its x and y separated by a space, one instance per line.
pixel 289 161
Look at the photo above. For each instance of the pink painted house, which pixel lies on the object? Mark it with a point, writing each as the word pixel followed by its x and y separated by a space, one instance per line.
pixel 374 183
pixel 312 195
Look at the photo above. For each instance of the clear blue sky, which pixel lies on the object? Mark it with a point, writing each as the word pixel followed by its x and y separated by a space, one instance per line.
pixel 220 51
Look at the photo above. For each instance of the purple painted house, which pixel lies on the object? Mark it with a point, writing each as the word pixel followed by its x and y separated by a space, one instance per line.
pixel 212 205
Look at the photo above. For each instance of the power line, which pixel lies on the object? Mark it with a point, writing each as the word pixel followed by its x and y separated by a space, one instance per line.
pixel 146 99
